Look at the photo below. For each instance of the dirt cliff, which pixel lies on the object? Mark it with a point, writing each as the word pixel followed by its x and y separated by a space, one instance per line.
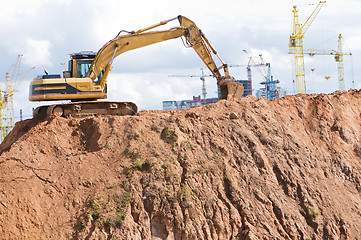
pixel 250 169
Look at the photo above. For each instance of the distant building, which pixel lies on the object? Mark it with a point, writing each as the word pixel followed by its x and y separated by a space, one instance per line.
pixel 279 92
pixel 282 92
pixel 247 87
pixel 183 104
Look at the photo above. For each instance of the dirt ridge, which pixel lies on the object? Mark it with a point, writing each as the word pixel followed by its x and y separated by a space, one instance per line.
pixel 248 169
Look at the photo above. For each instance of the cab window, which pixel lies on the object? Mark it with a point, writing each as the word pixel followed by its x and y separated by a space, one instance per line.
pixel 83 68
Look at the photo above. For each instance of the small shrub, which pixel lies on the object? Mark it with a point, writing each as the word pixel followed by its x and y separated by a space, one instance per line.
pixel 186 191
pixel 119 218
pixel 108 145
pixel 95 214
pixel 135 136
pixel 138 164
pixel 169 135
pixel 132 153
pixel 94 204
pixel 312 212
pixel 141 165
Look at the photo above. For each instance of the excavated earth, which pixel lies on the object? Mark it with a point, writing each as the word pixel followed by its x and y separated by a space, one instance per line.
pixel 248 169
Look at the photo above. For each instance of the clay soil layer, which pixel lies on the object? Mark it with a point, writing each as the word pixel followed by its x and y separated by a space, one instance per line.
pixel 247 169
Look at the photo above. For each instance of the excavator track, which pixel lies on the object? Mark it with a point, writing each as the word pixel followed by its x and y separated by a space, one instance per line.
pixel 86 109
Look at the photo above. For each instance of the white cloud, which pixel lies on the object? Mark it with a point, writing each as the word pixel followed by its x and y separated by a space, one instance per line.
pixel 10 10
pixel 37 52
pixel 148 90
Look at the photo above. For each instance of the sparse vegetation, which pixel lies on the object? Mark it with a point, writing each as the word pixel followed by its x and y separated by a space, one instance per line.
pixel 132 153
pixel 108 144
pixel 169 135
pixel 186 191
pixel 139 164
pixel 134 136
pixel 312 212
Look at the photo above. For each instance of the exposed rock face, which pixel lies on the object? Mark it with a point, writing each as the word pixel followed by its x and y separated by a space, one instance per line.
pixel 252 169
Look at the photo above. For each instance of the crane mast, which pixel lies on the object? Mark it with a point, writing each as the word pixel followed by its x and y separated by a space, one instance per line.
pixel 6 99
pixel 339 60
pixel 9 97
pixel 2 116
pixel 296 45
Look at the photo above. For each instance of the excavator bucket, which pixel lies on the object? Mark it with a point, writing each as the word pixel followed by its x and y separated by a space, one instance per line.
pixel 235 90
pixel 231 90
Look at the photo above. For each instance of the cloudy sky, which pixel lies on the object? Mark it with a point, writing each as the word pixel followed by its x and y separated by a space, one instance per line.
pixel 46 31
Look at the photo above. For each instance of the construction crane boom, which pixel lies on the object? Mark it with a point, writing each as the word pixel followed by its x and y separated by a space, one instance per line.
pixel 310 19
pixel 338 54
pixel 202 77
pixel 296 45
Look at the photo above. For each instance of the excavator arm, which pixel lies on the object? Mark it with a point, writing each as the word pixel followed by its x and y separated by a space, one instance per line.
pixel 143 37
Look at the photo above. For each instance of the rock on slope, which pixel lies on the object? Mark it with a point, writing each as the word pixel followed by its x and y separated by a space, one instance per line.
pixel 252 169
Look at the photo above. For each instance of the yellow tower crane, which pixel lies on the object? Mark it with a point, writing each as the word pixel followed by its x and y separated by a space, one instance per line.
pixel 2 116
pixel 9 97
pixel 11 86
pixel 6 100
pixel 338 58
pixel 296 45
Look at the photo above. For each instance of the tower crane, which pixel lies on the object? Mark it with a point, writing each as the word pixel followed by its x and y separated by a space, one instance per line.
pixel 9 97
pixel 338 58
pixel 296 45
pixel 11 85
pixel 202 77
pixel 2 116
pixel 270 84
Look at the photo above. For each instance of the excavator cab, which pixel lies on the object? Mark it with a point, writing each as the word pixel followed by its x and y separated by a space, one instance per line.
pixel 75 84
pixel 79 64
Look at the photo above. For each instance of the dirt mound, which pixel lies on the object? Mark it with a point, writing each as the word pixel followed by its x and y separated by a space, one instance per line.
pixel 252 169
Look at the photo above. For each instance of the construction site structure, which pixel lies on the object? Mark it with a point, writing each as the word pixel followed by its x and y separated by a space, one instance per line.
pixel 6 99
pixel 270 89
pixel 9 97
pixel 296 45
pixel 247 84
pixel 270 85
pixel 338 54
pixel 183 104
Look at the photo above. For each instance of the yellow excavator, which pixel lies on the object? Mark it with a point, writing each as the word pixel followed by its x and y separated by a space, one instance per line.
pixel 85 82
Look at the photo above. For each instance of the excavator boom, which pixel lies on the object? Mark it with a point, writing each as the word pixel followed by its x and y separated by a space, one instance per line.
pixel 143 37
